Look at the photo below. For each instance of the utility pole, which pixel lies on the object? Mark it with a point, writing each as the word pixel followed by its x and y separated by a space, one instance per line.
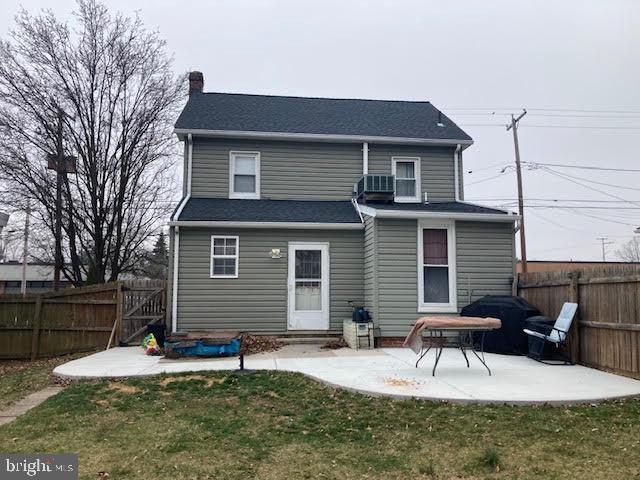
pixel 523 242
pixel 25 251
pixel 604 247
pixel 58 228
pixel 62 164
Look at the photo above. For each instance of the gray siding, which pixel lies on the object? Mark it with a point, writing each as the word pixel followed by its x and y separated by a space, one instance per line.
pixel 289 170
pixel 436 167
pixel 397 276
pixel 256 301
pixel 484 258
pixel 370 267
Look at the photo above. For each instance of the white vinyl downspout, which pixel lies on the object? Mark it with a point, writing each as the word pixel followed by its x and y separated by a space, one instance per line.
pixel 456 173
pixel 176 237
pixel 365 158
pixel 174 290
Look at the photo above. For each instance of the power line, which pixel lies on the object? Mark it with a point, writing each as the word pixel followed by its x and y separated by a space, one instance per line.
pixel 538 109
pixel 585 167
pixel 561 175
pixel 486 179
pixel 593 181
pixel 578 127
pixel 551 200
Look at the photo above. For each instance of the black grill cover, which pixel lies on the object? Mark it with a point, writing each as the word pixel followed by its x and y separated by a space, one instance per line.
pixel 513 312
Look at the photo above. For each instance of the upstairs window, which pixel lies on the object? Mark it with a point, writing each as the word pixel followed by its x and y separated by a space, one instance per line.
pixel 407 176
pixel 244 175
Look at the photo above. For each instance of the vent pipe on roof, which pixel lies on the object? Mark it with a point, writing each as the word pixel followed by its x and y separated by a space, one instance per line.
pixel 196 82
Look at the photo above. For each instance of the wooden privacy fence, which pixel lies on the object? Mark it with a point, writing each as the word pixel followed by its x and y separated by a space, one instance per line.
pixel 144 303
pixel 78 319
pixel 72 320
pixel 606 330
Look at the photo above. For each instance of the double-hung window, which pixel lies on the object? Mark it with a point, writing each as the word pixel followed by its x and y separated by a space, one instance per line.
pixel 436 268
pixel 224 256
pixel 407 174
pixel 244 175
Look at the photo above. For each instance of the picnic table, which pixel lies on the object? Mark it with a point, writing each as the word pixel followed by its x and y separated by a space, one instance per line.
pixel 437 326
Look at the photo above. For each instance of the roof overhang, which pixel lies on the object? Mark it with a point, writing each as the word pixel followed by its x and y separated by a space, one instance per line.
pixel 319 137
pixel 416 214
pixel 288 225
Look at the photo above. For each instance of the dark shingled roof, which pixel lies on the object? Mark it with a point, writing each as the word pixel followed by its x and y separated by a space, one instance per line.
pixel 232 210
pixel 444 207
pixel 329 116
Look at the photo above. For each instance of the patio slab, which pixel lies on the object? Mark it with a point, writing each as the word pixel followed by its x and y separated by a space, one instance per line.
pixel 389 372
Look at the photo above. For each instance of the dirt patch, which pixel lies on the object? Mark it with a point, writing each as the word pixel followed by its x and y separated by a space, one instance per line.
pixel 209 381
pixel 400 382
pixel 252 344
pixel 123 388
pixel 335 344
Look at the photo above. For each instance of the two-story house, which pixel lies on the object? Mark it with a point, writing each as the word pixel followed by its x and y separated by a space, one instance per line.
pixel 294 206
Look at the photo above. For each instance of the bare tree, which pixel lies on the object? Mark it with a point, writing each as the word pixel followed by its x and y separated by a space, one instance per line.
pixel 630 251
pixel 113 80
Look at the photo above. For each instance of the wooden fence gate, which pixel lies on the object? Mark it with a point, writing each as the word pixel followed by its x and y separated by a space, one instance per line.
pixel 144 303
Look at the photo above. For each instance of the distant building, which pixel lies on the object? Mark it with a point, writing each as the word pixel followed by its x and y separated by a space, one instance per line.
pixel 39 278
pixel 4 219
pixel 555 265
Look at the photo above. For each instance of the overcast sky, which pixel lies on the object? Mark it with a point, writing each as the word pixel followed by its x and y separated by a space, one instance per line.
pixel 570 63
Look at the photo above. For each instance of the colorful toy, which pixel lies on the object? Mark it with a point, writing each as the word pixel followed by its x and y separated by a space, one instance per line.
pixel 150 345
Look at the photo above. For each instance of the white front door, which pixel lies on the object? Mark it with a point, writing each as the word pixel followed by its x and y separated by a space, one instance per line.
pixel 308 286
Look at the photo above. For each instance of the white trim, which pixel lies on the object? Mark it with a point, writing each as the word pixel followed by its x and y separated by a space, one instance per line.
pixel 236 256
pixel 452 306
pixel 417 174
pixel 318 137
pixel 174 290
pixel 324 247
pixel 456 173
pixel 480 217
pixel 232 167
pixel 356 205
pixel 186 198
pixel 294 225
pixel 365 158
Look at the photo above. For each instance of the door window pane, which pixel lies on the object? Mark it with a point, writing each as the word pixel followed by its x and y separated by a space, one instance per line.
pixel 435 247
pixel 436 284
pixel 308 295
pixel 308 264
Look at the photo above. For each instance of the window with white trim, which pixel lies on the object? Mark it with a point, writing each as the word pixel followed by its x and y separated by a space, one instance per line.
pixel 244 174
pixel 224 256
pixel 406 171
pixel 436 272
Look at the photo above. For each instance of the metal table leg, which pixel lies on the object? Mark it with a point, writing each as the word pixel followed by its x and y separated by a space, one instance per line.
pixel 481 352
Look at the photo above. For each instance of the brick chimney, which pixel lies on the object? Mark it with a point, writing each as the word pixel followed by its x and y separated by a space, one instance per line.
pixel 196 82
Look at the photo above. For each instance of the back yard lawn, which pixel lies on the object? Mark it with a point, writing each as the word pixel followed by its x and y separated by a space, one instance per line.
pixel 285 426
pixel 19 378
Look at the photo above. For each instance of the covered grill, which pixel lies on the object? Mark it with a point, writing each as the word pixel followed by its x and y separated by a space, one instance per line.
pixel 513 313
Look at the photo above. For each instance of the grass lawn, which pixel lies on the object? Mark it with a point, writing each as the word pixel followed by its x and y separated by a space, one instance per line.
pixel 274 425
pixel 19 378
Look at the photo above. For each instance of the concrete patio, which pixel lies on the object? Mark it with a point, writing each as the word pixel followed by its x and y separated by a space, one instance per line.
pixel 389 371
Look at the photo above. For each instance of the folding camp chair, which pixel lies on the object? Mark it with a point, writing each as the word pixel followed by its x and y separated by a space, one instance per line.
pixel 556 335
